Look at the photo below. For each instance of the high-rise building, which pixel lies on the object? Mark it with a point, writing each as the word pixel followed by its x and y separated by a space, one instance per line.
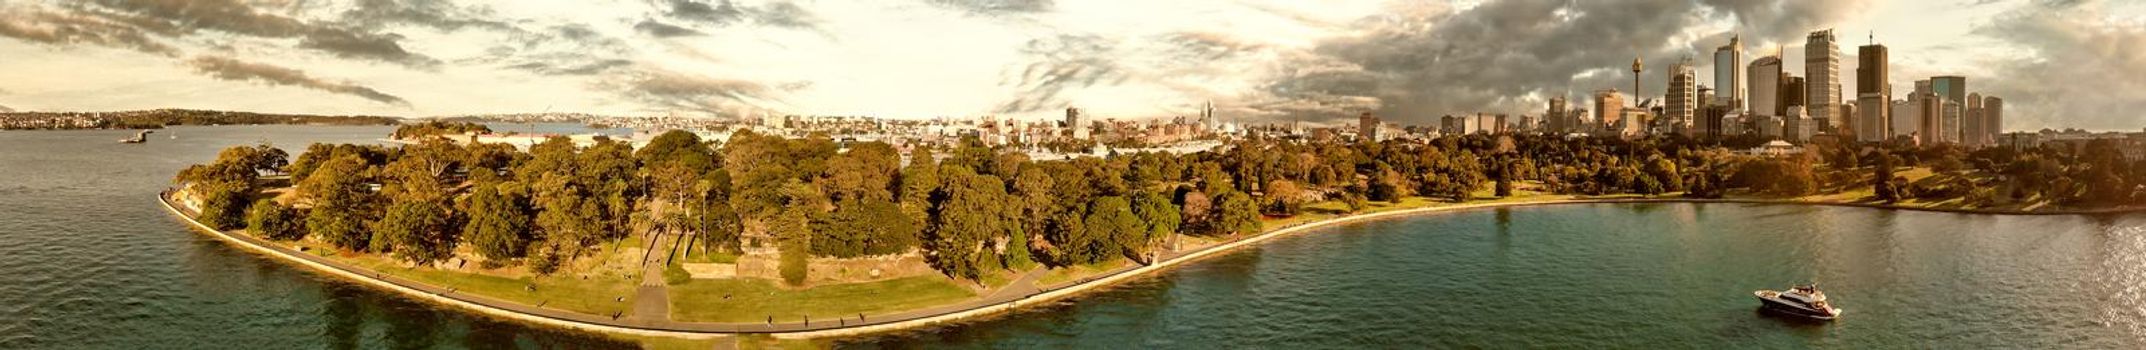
pixel 1609 108
pixel 1992 117
pixel 1368 126
pixel 1766 86
pixel 1821 66
pixel 1792 89
pixel 1074 121
pixel 1949 132
pixel 1971 133
pixel 1874 94
pixel 1929 122
pixel 1728 74
pixel 1555 118
pixel 1207 118
pixel 1904 117
pixel 1950 87
pixel 1681 102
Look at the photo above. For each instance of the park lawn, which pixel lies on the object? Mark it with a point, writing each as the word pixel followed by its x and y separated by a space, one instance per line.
pixel 597 295
pixel 752 300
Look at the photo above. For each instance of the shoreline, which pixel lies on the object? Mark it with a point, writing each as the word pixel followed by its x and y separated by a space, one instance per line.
pixel 707 330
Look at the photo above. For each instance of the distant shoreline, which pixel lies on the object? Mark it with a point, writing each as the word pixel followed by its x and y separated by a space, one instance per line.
pixel 697 330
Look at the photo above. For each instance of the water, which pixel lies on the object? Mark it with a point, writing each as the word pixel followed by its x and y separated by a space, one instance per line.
pixel 1623 276
pixel 88 260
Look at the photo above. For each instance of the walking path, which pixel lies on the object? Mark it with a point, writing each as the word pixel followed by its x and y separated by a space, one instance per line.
pixel 652 298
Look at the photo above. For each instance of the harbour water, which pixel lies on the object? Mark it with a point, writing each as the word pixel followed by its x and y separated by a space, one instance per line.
pixel 88 260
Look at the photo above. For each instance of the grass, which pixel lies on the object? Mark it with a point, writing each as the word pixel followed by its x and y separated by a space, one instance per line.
pixel 754 300
pixel 597 295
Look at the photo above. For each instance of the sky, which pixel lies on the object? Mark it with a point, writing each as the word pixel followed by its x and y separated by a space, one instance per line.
pixel 2057 63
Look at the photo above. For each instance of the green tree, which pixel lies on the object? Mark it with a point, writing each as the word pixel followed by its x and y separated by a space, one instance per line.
pixel 498 226
pixel 341 201
pixel 964 217
pixel 1237 214
pixel 421 232
pixel 1112 222
pixel 275 221
pixel 865 227
pixel 1161 219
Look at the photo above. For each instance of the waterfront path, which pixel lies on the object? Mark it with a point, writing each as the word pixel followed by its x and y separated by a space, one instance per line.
pixel 1023 291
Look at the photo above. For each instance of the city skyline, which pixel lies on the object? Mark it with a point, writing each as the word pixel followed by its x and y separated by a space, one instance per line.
pixel 1261 61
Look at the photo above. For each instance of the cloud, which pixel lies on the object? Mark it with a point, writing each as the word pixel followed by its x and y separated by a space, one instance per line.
pixel 674 91
pixel 2080 69
pixel 64 29
pixel 226 68
pixel 725 13
pixel 1061 62
pixel 180 17
pixel 996 7
pixel 661 30
pixel 1420 61
pixel 436 14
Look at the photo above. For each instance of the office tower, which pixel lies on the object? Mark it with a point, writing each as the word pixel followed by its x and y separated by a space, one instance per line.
pixel 1951 87
pixel 1971 133
pixel 1949 112
pixel 1728 74
pixel 1555 117
pixel 1073 121
pixel 1871 121
pixel 1928 113
pixel 1821 65
pixel 1797 126
pixel 1993 117
pixel 1903 118
pixel 1609 108
pixel 1791 93
pixel 1766 86
pixel 1874 94
pixel 1681 101
pixel 1368 126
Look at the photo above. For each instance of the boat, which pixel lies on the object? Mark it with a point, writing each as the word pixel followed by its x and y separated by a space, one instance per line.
pixel 1801 301
pixel 138 137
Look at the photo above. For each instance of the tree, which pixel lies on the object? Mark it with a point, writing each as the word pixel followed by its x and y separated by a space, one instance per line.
pixel 964 217
pixel 1161 219
pixel 498 226
pixel 275 221
pixel 421 232
pixel 341 202
pixel 1882 180
pixel 1112 223
pixel 865 227
pixel 1237 214
pixel 1284 198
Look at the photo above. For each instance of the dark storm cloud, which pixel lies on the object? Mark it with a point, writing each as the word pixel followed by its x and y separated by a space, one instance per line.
pixel 1423 61
pixel 180 17
pixel 663 30
pixel 1061 62
pixel 226 68
pixel 996 7
pixel 2071 78
pixel 66 29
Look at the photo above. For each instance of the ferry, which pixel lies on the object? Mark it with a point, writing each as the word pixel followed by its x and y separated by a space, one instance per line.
pixel 1802 301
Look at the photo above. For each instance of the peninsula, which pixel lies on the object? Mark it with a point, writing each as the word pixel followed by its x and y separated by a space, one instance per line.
pixel 808 237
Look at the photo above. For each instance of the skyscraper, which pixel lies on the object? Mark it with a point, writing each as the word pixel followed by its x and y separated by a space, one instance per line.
pixel 1792 89
pixel 1873 95
pixel 1609 109
pixel 1928 122
pixel 1556 119
pixel 1368 126
pixel 1681 103
pixel 1728 74
pixel 1766 86
pixel 1950 87
pixel 1073 121
pixel 1821 69
pixel 1971 122
pixel 1993 117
